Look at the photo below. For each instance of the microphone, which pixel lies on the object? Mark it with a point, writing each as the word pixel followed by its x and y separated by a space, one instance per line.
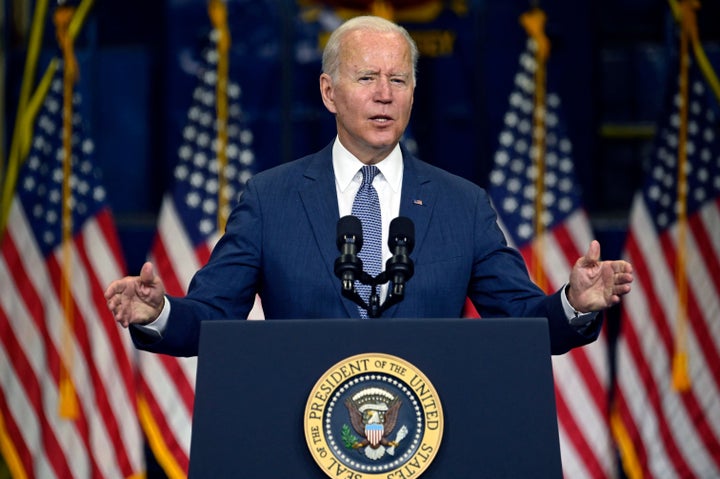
pixel 348 266
pixel 401 241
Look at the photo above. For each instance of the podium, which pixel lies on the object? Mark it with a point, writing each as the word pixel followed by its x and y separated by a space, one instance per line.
pixel 493 378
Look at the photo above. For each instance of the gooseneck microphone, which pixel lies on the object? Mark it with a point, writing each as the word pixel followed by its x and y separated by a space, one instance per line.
pixel 401 240
pixel 348 266
pixel 399 268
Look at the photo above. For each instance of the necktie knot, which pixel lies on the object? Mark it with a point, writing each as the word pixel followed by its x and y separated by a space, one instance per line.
pixel 369 172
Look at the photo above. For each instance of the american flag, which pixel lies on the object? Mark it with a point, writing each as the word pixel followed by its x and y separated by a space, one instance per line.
pixel 664 432
pixel 581 375
pixel 41 345
pixel 186 233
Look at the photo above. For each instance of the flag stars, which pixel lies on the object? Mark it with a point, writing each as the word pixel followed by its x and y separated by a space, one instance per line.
pixel 510 204
pixel 247 157
pixel 497 177
pixel 525 231
pixel 516 99
pixel 231 172
pixel 517 166
pixel 203 140
pixel 565 204
pixel 233 92
pixel 514 185
pixel 524 127
pixel 192 199
pixel 197 183
pixel 181 173
pixel 209 206
pixel 565 165
pixel 206 119
pixel 211 56
pixel 194 113
pixel 524 82
pixel 99 194
pixel 521 146
pixel 200 159
pixel 501 158
pixel 506 138
pixel 211 186
pixel 206 227
pixel 245 176
pixel 189 133
pixel 528 62
pixel 197 179
pixel 527 211
pixel 210 77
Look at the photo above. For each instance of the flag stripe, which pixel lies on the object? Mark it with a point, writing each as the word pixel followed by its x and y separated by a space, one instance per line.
pixel 581 375
pixel 28 389
pixel 187 230
pixel 42 347
pixel 674 433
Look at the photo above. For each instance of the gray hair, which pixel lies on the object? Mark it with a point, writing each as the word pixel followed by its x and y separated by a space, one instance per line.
pixel 331 54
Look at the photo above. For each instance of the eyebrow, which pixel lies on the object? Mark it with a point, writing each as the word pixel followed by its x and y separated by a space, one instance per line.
pixel 376 73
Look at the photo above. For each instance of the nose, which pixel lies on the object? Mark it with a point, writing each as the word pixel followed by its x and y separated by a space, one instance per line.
pixel 383 90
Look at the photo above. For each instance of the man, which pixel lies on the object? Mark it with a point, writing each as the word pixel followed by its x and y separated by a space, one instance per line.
pixel 280 238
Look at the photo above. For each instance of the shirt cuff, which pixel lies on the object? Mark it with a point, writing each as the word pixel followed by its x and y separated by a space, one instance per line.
pixel 157 327
pixel 575 318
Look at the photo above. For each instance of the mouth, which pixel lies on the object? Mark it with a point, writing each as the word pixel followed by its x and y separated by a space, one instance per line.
pixel 381 119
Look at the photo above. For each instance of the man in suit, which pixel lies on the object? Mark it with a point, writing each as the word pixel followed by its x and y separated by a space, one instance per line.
pixel 280 238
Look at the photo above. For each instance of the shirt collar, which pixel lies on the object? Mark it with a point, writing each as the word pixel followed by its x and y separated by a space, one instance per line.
pixel 346 166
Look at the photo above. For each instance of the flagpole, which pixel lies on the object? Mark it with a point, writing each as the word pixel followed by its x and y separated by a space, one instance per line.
pixel 534 23
pixel 680 376
pixel 217 11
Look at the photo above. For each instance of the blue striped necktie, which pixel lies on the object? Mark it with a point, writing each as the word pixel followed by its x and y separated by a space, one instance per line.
pixel 367 208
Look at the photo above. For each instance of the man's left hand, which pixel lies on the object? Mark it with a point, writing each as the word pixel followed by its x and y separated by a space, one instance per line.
pixel 596 285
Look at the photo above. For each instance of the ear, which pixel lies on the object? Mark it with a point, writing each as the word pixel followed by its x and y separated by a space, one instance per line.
pixel 327 92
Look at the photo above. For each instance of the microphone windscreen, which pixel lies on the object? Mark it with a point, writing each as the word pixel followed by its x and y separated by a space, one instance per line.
pixel 349 226
pixel 402 229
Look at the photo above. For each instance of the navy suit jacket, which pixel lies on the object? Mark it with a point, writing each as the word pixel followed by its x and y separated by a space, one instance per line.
pixel 280 242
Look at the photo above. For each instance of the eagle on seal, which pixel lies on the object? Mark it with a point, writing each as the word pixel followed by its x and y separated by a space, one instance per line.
pixel 375 422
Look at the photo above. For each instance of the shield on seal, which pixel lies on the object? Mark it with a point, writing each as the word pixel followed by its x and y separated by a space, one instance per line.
pixel 374 433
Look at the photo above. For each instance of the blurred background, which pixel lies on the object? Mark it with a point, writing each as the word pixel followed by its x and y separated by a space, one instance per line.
pixel 610 65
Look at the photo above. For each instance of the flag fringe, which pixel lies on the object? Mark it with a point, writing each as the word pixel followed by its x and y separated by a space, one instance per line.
pixel 10 454
pixel 155 438
pixel 630 460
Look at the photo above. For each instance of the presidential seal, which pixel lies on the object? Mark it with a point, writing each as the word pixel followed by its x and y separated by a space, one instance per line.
pixel 373 416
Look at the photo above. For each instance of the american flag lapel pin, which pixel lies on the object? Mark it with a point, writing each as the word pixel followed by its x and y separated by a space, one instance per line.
pixel 418 202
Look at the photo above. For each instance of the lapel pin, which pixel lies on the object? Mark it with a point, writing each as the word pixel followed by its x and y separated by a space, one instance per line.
pixel 418 202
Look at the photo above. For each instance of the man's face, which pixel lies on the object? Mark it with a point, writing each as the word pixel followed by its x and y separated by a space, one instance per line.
pixel 373 93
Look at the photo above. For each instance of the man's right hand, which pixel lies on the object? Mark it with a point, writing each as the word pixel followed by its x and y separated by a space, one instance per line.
pixel 136 299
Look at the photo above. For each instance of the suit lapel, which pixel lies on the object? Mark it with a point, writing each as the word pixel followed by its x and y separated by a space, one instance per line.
pixel 319 199
pixel 417 202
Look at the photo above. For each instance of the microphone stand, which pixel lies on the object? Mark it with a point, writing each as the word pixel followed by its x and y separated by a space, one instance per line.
pixel 373 306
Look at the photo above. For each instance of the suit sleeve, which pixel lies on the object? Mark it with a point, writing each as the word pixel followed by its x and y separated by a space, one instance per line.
pixel 500 285
pixel 224 288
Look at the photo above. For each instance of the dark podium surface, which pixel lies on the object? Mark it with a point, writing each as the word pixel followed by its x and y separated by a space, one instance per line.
pixel 493 377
